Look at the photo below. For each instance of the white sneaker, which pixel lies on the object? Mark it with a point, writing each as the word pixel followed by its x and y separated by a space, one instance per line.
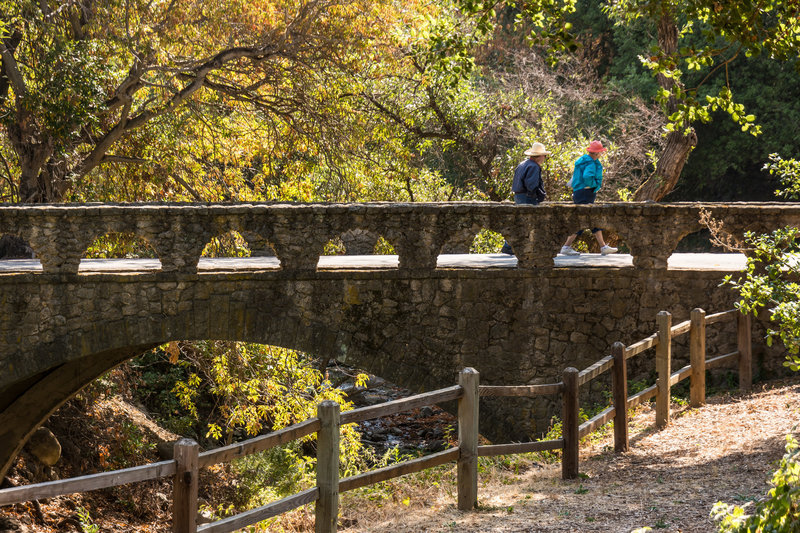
pixel 569 250
pixel 605 250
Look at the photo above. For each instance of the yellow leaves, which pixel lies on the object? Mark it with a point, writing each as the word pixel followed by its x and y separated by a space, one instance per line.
pixel 173 351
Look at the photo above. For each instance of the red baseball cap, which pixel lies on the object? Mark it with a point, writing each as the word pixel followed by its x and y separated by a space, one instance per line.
pixel 596 146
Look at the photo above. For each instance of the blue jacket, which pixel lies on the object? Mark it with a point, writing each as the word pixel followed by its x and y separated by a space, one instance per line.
pixel 528 180
pixel 588 173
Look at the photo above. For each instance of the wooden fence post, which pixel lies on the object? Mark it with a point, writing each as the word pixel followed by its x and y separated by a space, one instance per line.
pixel 620 390
pixel 663 368
pixel 745 348
pixel 697 358
pixel 569 426
pixel 468 440
pixel 184 487
pixel 327 507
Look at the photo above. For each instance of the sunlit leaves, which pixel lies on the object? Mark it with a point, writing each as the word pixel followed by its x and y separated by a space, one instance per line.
pixel 713 35
pixel 788 171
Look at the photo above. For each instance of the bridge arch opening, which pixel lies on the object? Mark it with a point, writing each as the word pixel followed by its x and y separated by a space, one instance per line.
pixel 360 242
pixel 698 242
pixel 227 244
pixel 13 246
pixel 244 249
pixel 120 245
pixel 486 246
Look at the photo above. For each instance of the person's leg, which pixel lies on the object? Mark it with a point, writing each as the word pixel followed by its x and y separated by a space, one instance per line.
pixel 604 248
pixel 598 234
pixel 567 249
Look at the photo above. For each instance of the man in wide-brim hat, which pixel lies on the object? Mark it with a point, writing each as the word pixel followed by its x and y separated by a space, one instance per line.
pixel 527 186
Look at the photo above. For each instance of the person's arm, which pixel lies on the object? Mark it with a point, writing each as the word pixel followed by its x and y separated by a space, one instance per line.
pixel 589 176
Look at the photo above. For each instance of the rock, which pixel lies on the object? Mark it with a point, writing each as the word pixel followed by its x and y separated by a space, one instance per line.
pixel 435 446
pixel 44 446
pixel 11 525
pixel 426 411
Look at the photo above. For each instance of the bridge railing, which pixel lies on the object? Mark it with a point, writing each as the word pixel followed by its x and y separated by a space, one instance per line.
pixel 298 233
pixel 188 460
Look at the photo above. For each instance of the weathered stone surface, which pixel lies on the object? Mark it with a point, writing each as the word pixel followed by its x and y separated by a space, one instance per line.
pixel 44 446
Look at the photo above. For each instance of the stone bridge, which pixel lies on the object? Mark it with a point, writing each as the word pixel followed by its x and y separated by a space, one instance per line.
pixel 413 323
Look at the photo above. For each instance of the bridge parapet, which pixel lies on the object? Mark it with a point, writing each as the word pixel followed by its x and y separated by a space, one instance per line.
pixel 60 234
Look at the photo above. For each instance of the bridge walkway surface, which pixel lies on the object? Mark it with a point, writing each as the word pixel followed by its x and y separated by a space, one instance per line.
pixel 677 261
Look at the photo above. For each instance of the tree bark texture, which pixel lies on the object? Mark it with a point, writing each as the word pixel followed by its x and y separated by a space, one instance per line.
pixel 679 143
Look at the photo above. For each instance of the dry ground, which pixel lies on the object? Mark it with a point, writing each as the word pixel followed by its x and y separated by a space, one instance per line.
pixel 669 480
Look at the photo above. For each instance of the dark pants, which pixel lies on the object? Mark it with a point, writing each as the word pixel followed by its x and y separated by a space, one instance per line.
pixel 584 196
pixel 519 198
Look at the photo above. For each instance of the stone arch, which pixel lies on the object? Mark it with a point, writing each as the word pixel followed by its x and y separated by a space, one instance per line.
pixel 697 242
pixel 360 242
pixel 103 346
pixel 478 239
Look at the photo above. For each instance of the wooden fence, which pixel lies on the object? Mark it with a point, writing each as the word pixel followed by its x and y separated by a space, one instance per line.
pixel 183 469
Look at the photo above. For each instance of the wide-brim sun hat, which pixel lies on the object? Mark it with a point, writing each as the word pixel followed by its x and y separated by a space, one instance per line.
pixel 537 149
pixel 596 146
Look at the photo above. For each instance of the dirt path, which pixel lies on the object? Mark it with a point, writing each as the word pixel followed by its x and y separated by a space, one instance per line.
pixel 669 480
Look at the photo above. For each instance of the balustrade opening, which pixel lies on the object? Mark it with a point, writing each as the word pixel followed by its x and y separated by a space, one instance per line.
pixel 129 252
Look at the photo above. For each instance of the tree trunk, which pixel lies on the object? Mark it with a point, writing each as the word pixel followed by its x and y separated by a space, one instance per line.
pixel 679 143
pixel 669 167
pixel 37 183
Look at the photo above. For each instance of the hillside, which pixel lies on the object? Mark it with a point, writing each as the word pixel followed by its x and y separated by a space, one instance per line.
pixel 669 480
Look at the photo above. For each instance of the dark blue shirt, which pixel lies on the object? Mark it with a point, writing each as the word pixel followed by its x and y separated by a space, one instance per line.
pixel 528 180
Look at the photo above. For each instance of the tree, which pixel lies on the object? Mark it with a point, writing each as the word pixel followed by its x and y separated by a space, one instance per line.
pixel 713 34
pixel 771 282
pixel 81 80
pixel 692 36
pixel 773 267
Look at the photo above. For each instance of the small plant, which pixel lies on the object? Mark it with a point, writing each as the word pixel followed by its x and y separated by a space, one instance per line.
pixel 85 521
pixel 581 489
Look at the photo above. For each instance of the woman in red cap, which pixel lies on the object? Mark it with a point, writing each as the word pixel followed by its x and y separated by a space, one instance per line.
pixel 586 181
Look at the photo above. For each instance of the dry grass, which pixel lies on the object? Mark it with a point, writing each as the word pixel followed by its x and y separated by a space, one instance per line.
pixel 668 481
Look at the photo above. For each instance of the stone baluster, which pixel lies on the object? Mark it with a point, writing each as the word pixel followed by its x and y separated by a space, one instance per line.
pixel 59 241
pixel 298 234
pixel 651 247
pixel 178 237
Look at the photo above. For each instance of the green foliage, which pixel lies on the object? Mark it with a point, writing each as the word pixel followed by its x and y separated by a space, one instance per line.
pixel 789 172
pixel 771 282
pixel 773 265
pixel 486 242
pixel 779 511
pixel 85 521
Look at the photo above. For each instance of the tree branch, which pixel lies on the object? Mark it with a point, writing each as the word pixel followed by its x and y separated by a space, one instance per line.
pixel 11 70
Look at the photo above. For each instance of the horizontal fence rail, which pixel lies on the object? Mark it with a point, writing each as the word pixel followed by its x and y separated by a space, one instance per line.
pixel 184 468
pixel 104 480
